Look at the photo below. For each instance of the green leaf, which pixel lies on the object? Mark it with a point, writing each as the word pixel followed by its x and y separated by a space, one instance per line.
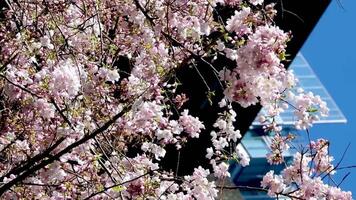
pixel 312 110
pixel 210 95
pixel 282 56
pixel 118 188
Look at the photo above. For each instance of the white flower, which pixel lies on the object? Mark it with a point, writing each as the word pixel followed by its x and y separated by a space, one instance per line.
pixel 109 75
pixel 113 75
pixel 210 153
pixel 256 2
pixel 205 28
pixel 65 80
pixel 220 45
pixel 237 22
pixel 46 42
pixel 45 109
pixel 221 170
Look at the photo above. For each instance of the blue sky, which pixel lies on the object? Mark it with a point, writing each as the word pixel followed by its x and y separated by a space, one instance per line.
pixel 331 51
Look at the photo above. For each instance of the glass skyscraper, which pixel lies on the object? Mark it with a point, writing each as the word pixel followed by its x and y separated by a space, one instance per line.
pixel 256 143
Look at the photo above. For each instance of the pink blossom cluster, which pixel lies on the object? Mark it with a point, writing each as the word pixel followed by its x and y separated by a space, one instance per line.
pixel 309 108
pixel 304 178
pixel 278 145
pixel 225 137
pixel 259 75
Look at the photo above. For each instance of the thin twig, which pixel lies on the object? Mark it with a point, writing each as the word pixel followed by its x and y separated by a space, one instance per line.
pixel 119 184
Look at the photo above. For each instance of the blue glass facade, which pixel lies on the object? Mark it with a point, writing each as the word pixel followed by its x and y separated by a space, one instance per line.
pixel 309 81
pixel 256 142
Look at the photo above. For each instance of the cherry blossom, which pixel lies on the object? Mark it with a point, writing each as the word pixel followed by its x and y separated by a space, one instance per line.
pixel 92 101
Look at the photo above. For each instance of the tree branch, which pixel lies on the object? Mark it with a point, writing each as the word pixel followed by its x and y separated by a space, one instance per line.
pixel 51 159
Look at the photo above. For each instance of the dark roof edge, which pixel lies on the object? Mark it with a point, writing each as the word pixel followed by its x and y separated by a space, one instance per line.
pixel 300 17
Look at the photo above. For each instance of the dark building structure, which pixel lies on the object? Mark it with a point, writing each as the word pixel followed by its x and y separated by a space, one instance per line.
pixel 299 17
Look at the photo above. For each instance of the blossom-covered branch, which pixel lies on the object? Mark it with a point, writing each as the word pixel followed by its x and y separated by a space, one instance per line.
pixel 91 98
